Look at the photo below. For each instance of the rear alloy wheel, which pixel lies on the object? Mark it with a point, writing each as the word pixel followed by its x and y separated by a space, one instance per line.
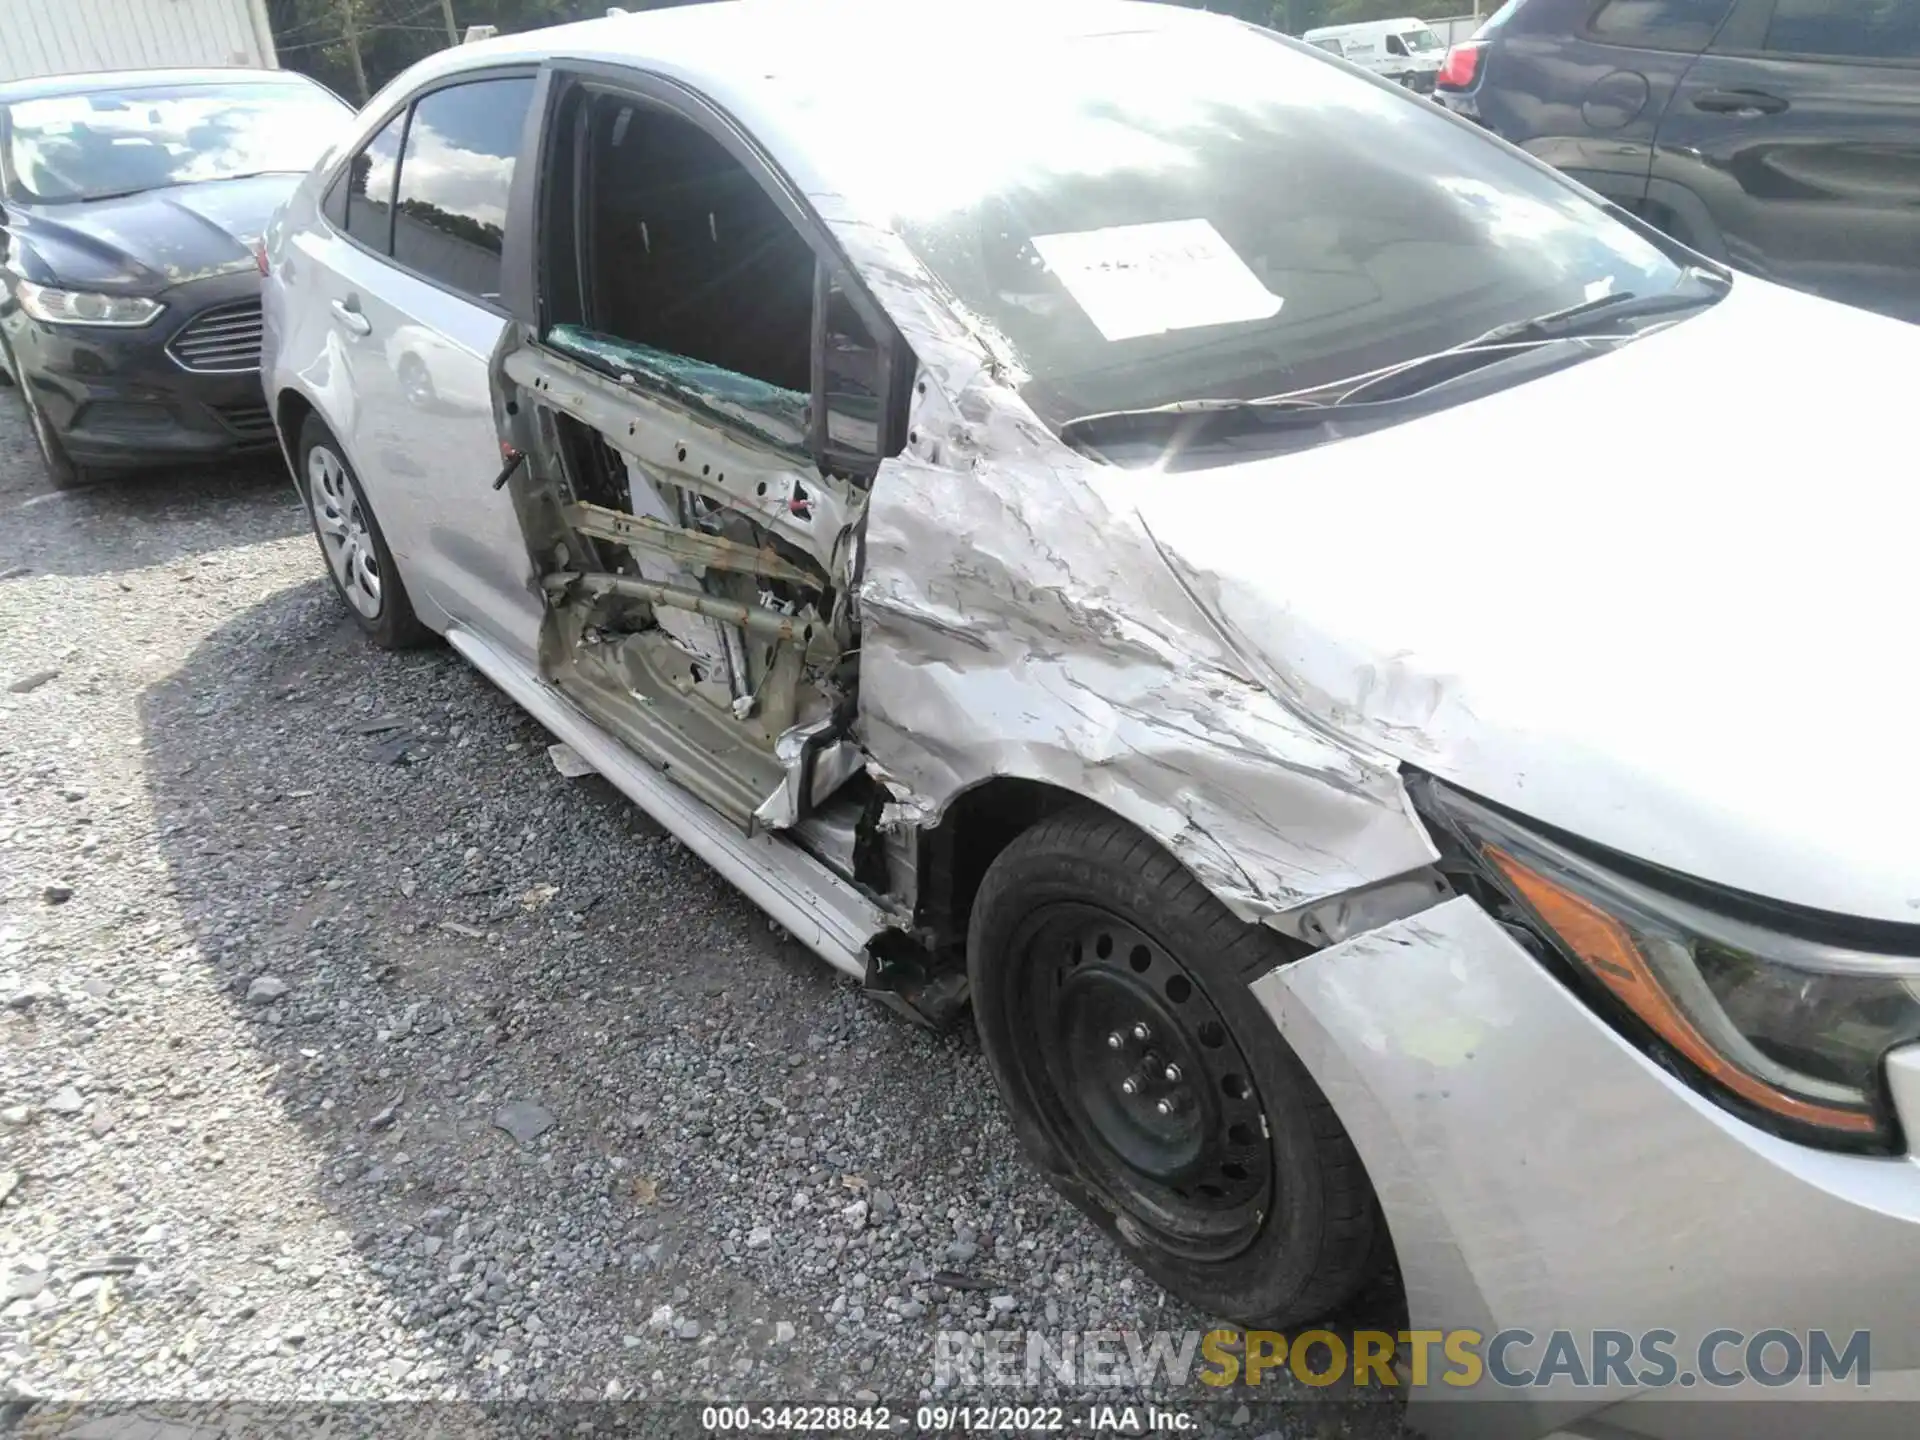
pixel 358 561
pixel 1150 1085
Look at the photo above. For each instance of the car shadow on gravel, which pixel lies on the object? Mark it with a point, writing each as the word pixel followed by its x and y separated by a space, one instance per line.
pixel 573 1115
pixel 137 520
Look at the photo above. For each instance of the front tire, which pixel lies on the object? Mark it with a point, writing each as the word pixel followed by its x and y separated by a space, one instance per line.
pixel 355 551
pixel 61 469
pixel 1110 990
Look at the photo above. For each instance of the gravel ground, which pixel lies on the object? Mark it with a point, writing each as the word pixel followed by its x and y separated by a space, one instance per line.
pixel 294 933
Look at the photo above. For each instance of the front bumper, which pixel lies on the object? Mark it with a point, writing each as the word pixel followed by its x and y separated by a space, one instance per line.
pixel 1539 1173
pixel 117 397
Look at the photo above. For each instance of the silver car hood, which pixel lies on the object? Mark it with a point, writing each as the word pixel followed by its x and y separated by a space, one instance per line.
pixel 1666 599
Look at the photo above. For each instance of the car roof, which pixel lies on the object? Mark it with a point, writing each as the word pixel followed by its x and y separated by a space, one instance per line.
pixel 731 40
pixel 93 82
pixel 750 57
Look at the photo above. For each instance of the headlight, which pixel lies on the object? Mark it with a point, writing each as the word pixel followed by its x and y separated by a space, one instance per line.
pixel 84 307
pixel 1785 1027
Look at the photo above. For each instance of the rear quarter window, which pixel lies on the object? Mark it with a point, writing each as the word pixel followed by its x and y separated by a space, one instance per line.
pixel 1847 29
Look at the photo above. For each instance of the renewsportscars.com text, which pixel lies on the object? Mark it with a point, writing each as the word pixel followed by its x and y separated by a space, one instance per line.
pixel 1509 1359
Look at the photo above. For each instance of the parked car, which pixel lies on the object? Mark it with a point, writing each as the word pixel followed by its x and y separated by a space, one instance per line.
pixel 1324 634
pixel 129 283
pixel 1781 136
pixel 1405 50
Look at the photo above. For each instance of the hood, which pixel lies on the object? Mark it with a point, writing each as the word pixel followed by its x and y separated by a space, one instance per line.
pixel 153 240
pixel 1665 599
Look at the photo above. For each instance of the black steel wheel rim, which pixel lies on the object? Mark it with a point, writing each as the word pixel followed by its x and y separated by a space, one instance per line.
pixel 1137 1077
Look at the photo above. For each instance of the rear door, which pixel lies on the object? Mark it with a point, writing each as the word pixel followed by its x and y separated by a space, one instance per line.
pixel 1799 131
pixel 1582 84
pixel 433 318
pixel 407 266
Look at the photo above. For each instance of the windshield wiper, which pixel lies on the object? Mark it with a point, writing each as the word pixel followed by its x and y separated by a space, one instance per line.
pixel 1187 424
pixel 1593 319
pixel 1391 394
pixel 1602 310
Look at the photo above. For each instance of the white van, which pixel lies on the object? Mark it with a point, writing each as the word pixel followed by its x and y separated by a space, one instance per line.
pixel 1406 49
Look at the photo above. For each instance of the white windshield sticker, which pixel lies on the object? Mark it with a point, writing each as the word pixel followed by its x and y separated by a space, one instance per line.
pixel 1137 280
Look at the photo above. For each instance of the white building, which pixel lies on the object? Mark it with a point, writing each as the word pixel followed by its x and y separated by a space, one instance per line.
pixel 51 37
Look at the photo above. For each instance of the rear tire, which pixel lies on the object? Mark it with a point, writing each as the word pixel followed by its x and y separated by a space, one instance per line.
pixel 1096 961
pixel 351 544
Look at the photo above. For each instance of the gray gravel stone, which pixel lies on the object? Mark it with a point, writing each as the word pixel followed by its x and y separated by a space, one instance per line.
pixel 231 828
pixel 31 681
pixel 30 994
pixel 524 1120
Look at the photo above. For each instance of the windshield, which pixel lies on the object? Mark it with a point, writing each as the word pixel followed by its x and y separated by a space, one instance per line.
pixel 1422 42
pixel 1157 216
pixel 116 142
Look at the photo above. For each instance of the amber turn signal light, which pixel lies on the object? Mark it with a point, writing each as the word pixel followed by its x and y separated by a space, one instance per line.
pixel 1609 953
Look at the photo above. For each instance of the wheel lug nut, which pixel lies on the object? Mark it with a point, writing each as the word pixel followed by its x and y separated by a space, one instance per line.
pixel 1129 1086
pixel 1172 1072
pixel 1164 1107
pixel 1141 1032
pixel 1116 1040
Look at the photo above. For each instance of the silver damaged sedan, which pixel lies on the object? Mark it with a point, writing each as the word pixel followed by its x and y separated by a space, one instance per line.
pixel 1336 643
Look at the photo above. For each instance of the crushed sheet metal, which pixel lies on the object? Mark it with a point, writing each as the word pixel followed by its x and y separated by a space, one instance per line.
pixel 662 439
pixel 691 546
pixel 996 641
pixel 1017 622
pixel 833 765
pixel 771 626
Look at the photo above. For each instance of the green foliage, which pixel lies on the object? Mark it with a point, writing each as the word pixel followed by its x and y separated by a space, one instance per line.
pixel 1295 16
pixel 311 35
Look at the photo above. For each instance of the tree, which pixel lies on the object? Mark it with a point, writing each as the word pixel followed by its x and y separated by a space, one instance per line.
pixel 356 46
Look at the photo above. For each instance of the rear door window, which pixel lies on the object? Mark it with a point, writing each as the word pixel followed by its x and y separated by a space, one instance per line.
pixel 369 181
pixel 1847 29
pixel 452 210
pixel 1660 24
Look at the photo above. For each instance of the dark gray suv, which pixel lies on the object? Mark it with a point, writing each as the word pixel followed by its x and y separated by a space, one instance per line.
pixel 1782 136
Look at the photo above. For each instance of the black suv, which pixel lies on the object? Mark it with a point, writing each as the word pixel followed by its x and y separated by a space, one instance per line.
pixel 1781 136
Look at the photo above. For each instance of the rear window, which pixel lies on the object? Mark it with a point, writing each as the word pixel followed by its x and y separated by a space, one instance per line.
pixel 121 142
pixel 1171 216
